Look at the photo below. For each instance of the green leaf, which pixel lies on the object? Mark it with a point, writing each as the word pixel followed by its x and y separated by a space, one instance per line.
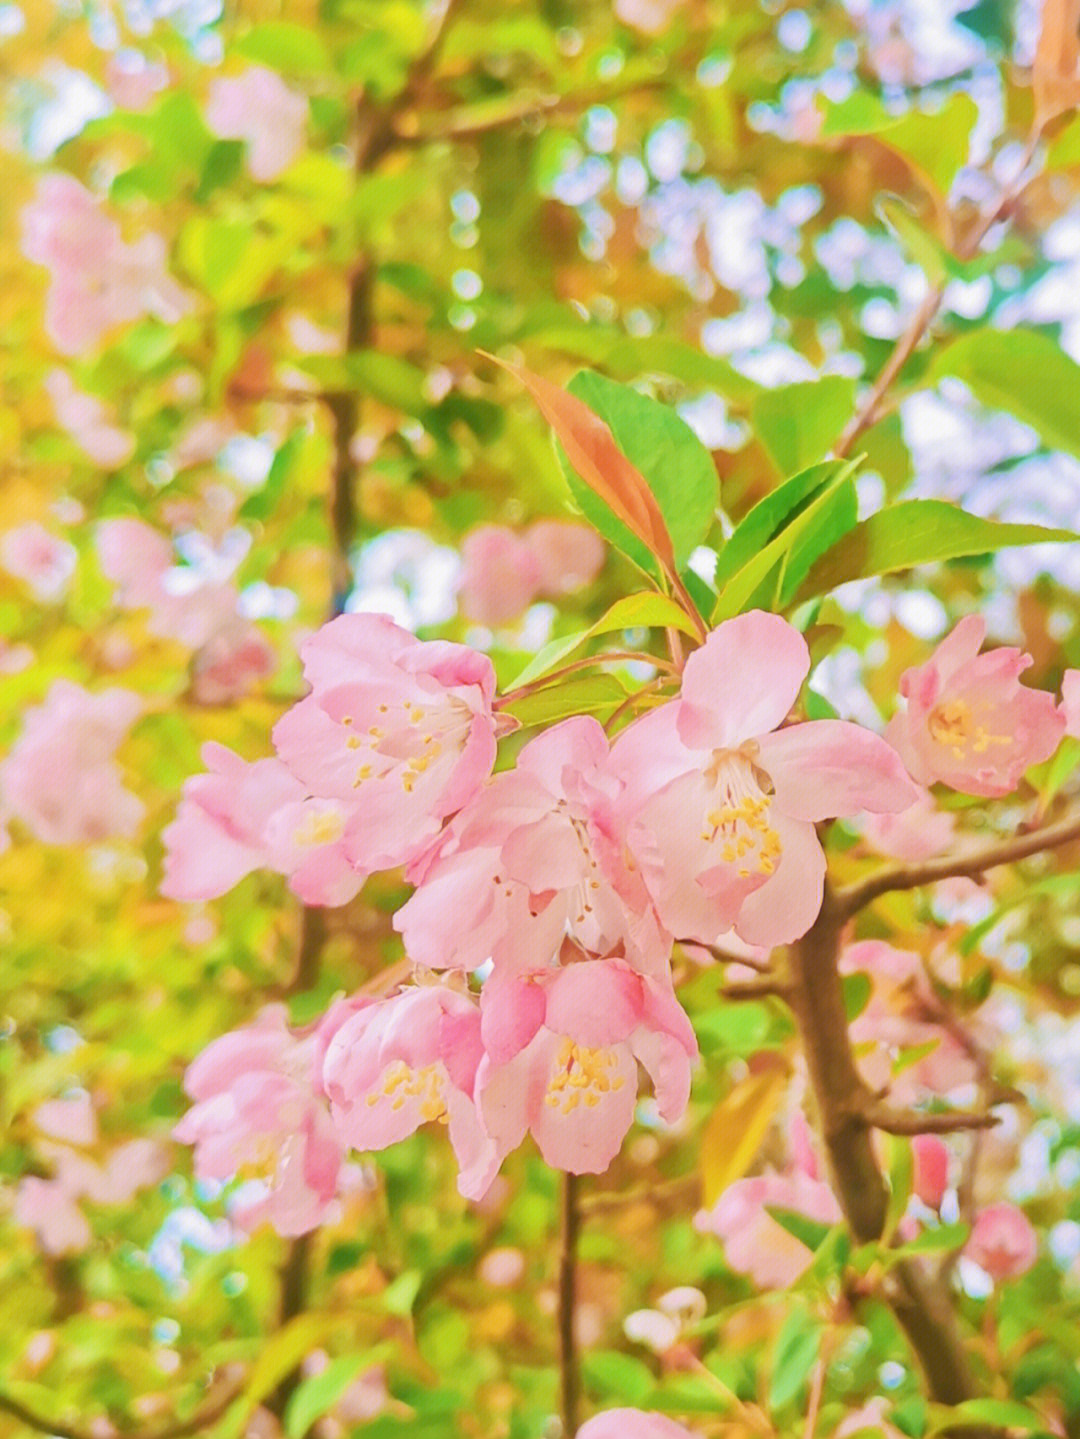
pixel 581 694
pixel 280 1354
pixel 798 424
pixel 933 145
pixel 288 48
pixel 795 1355
pixel 810 1232
pixel 315 1396
pixel 814 529
pixel 977 1413
pixel 1024 373
pixel 933 1241
pixel 609 1374
pixel 643 611
pixel 917 532
pixel 857 988
pixel 677 466
pixel 399 1296
pixel 387 378
pixel 264 501
pixel 765 521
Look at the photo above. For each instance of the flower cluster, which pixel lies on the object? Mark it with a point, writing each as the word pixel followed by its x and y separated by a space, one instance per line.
pixel 503 572
pixel 563 881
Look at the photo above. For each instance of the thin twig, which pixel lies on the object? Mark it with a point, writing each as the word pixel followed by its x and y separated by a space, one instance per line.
pixel 853 897
pixel 914 1121
pixel 175 1429
pixel 585 662
pixel 763 988
pixel 569 1363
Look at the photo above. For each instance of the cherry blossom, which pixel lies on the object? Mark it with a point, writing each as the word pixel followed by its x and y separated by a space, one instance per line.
pixel 720 803
pixel 259 1111
pixel 968 722
pixel 1002 1242
pixel 632 1424
pixel 409 1060
pixel 245 815
pixel 259 108
pixel 60 779
pixel 533 857
pixel 754 1242
pixel 931 1178
pixel 41 559
pixel 561 1054
pixel 401 732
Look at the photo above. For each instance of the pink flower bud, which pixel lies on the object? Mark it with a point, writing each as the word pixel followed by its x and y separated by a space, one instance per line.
pixel 1003 1242
pixel 931 1169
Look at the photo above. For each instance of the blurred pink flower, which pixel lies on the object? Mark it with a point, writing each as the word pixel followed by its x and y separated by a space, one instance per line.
pixel 46 1207
pixel 231 662
pixel 259 1109
pixel 72 1121
pixel 721 802
pixel 568 556
pixel 59 777
pixel 83 417
pixel 919 832
pixel 406 1061
pixel 869 1419
pixel 632 1424
pixel 1070 702
pixel 652 17
pixel 931 1178
pixel 500 575
pixel 135 556
pixel 561 1054
pixel 968 722
pixel 259 108
pixel 1002 1242
pixel 133 81
pixel 401 732
pixel 42 560
pixel 754 1243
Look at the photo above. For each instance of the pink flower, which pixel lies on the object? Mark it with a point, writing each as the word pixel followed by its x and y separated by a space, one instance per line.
pixel 83 417
pixel 259 108
pixel 568 556
pixel 535 856
pixel 406 1061
pixel 1070 702
pixel 869 1419
pixel 402 732
pixel 919 832
pixel 719 809
pixel 931 1169
pixel 46 1207
pixel 59 777
pixel 754 1242
pixel 72 1121
pixel 134 556
pixel 131 1166
pixel 968 721
pixel 98 280
pixel 632 1424
pixel 500 575
pixel 561 1059
pixel 133 81
pixel 1002 1242
pixel 246 816
pixel 259 1108
pixel 44 562
pixel 231 662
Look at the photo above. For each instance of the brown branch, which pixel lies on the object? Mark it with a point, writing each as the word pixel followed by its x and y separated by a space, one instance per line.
pixel 853 897
pixel 569 1362
pixel 295 1273
pixel 175 1429
pixel 914 1121
pixel 762 988
pixel 921 1304
pixel 869 411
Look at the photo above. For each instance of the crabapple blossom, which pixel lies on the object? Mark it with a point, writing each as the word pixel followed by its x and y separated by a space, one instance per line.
pixel 260 109
pixel 400 731
pixel 561 1052
pixel 411 1059
pixel 259 1109
pixel 46 1207
pixel 931 1178
pixel 500 574
pixel 242 816
pixel 754 1243
pixel 720 803
pixel 134 555
pixel 84 418
pixel 919 832
pixel 42 560
pixel 230 662
pixel 1002 1242
pixel 632 1424
pixel 968 722
pixel 533 857
pixel 60 778
pixel 568 556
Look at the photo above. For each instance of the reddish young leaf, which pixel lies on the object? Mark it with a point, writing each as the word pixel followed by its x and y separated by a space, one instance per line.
pixel 1055 74
pixel 591 449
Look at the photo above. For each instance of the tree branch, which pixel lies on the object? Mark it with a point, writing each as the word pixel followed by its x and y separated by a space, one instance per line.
pixel 175 1429
pixel 853 897
pixel 569 1364
pixel 914 1121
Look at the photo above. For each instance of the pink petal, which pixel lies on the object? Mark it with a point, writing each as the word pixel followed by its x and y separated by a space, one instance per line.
pixel 829 767
pixel 783 909
pixel 597 1003
pixel 742 682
